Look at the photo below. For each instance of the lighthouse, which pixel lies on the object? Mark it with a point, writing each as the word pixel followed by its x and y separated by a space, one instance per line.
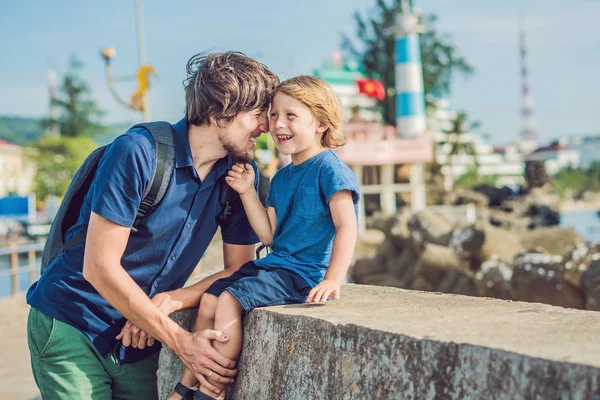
pixel 410 97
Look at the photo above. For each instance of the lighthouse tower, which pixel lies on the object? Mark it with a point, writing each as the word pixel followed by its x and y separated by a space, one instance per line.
pixel 410 98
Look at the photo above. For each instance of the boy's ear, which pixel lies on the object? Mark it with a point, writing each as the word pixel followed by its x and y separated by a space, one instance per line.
pixel 321 128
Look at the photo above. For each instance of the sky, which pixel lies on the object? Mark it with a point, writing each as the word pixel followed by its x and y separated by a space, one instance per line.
pixel 295 37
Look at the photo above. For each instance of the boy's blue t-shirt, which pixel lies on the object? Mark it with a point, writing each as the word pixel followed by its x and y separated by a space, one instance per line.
pixel 304 235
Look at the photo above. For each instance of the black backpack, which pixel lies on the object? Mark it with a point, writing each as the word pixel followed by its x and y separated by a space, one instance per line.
pixel 68 212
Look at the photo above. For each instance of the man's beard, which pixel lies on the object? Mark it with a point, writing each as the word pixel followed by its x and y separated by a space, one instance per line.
pixel 239 156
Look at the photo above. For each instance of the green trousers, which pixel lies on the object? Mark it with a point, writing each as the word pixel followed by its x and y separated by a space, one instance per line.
pixel 66 365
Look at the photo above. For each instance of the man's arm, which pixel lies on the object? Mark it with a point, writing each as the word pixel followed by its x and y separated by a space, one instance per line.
pixel 105 245
pixel 234 256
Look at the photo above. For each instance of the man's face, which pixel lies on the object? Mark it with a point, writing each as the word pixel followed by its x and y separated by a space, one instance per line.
pixel 239 137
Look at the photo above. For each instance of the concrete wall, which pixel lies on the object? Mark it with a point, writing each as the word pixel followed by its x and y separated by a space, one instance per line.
pixel 385 343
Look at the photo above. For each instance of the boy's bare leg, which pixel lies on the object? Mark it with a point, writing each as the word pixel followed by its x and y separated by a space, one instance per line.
pixel 228 319
pixel 205 320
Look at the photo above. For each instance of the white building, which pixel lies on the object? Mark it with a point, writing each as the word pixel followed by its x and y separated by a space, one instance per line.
pixel 505 163
pixel 556 157
pixel 587 146
pixel 16 170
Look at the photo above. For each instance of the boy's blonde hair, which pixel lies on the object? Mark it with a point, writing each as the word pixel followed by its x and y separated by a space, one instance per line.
pixel 323 104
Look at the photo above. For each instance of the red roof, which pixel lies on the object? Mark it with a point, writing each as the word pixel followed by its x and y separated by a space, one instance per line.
pixel 4 143
pixel 553 147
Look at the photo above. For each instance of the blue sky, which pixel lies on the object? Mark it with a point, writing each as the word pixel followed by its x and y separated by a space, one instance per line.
pixel 295 37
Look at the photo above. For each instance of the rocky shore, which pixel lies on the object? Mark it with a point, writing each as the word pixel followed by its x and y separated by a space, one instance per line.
pixel 484 242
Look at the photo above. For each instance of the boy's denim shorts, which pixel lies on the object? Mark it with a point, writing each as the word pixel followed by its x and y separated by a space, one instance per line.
pixel 254 286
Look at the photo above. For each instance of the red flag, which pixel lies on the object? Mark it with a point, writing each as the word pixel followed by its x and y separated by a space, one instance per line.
pixel 371 88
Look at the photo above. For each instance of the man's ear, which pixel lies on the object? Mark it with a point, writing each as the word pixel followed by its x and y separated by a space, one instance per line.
pixel 219 123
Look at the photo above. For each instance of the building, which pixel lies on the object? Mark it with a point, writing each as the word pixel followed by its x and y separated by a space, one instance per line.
pixel 555 157
pixel 587 146
pixel 506 164
pixel 16 170
pixel 342 75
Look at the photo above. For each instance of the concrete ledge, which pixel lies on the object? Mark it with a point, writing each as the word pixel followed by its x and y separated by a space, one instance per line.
pixel 385 343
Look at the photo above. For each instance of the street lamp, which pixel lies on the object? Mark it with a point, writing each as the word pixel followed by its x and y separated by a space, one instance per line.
pixel 137 101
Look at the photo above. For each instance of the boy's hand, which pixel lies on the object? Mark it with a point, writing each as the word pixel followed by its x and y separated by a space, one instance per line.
pixel 241 178
pixel 320 293
pixel 131 335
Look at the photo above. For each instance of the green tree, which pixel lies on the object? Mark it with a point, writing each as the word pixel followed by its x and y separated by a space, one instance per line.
pixel 79 114
pixel 472 178
pixel 57 159
pixel 575 181
pixel 376 51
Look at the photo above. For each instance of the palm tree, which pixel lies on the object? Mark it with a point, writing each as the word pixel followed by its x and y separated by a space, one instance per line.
pixel 376 53
pixel 457 138
pixel 459 144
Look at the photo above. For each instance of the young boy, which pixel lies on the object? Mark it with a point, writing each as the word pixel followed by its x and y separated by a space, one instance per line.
pixel 310 222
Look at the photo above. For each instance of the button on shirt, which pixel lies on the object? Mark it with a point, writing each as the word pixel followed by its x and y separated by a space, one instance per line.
pixel 159 257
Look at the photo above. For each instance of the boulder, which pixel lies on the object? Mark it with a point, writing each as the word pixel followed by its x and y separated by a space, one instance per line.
pixel 429 227
pixel 539 277
pixel 555 240
pixel 494 279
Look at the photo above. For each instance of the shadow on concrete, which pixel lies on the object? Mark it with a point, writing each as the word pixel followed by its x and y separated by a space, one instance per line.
pixel 304 305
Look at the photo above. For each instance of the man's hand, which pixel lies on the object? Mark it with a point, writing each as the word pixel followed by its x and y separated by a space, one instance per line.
pixel 327 288
pixel 241 178
pixel 133 336
pixel 198 355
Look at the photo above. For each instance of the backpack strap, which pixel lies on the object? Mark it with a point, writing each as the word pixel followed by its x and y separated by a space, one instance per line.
pixel 226 197
pixel 162 133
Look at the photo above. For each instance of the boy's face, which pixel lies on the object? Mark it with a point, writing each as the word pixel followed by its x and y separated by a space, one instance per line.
pixel 294 128
pixel 239 137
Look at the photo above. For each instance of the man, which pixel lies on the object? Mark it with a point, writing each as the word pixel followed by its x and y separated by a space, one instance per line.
pixel 83 299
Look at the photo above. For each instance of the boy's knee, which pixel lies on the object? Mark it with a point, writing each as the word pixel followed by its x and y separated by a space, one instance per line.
pixel 226 299
pixel 208 305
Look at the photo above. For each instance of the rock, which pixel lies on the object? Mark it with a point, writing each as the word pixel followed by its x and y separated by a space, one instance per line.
pixel 457 283
pixel 504 244
pixel 439 269
pixel 555 240
pixel 535 174
pixel 395 228
pixel 509 221
pixel 467 242
pixel 582 264
pixel 380 279
pixel 496 196
pixel 590 282
pixel 542 215
pixel 539 277
pixel 364 267
pixel 429 227
pixel 463 196
pixel 437 258
pixel 403 266
pixel 494 279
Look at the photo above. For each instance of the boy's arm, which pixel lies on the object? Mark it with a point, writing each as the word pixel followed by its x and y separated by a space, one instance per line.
pixel 344 220
pixel 263 221
pixel 105 244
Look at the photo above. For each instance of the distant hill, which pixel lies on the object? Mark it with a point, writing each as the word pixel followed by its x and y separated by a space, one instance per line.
pixel 24 131
pixel 20 130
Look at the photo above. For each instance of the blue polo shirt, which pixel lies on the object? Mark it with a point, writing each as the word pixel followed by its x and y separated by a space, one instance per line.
pixel 160 256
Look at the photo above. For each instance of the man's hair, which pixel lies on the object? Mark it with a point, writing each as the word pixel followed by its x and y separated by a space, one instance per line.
pixel 223 85
pixel 323 104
